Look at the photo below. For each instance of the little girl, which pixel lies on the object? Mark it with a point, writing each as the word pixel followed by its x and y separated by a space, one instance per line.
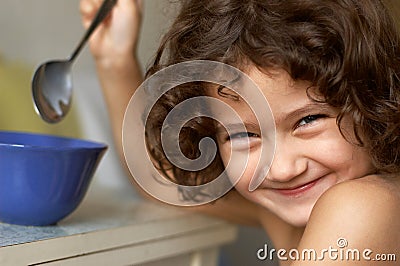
pixel 330 72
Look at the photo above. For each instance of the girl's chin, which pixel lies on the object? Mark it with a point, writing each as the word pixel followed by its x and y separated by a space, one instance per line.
pixel 300 221
pixel 296 217
pixel 294 213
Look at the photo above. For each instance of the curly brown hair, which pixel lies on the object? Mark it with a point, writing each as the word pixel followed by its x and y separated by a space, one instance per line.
pixel 348 49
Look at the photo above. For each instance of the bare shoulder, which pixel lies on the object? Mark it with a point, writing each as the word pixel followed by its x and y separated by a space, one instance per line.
pixel 376 194
pixel 374 190
pixel 364 212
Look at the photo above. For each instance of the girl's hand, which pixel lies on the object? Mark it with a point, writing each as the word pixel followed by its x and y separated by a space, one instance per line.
pixel 117 37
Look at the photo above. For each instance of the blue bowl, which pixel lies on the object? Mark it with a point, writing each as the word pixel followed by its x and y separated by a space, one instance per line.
pixel 44 178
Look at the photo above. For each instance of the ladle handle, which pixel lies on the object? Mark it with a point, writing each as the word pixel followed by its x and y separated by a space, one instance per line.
pixel 104 9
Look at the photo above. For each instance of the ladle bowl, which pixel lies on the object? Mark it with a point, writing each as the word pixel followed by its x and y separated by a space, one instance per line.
pixel 52 81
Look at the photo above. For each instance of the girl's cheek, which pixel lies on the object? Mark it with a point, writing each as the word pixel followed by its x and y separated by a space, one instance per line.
pixel 241 166
pixel 247 168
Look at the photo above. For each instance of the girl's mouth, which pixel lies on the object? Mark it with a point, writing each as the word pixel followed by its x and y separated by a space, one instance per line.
pixel 297 191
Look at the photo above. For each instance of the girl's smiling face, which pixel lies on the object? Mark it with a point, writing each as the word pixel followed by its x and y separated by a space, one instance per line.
pixel 311 154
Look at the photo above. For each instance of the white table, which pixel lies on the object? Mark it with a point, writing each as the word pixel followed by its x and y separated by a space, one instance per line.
pixel 108 229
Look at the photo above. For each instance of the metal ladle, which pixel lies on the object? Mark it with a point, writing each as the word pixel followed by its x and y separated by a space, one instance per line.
pixel 52 81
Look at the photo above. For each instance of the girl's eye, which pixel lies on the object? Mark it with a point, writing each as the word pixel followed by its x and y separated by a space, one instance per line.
pixel 242 135
pixel 309 119
pixel 243 140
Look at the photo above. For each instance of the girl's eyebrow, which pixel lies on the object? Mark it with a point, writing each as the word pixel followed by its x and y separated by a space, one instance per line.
pixel 307 109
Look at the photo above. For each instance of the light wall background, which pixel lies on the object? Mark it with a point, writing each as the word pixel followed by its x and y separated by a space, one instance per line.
pixel 34 31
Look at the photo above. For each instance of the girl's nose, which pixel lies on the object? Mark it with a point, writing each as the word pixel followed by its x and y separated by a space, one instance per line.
pixel 289 162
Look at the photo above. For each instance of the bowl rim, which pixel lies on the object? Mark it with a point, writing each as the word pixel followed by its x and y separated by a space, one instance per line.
pixel 87 144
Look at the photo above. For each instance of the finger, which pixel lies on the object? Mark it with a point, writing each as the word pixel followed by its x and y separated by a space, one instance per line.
pixel 88 9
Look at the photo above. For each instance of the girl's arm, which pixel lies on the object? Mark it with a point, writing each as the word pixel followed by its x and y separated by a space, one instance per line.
pixel 356 222
pixel 113 46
